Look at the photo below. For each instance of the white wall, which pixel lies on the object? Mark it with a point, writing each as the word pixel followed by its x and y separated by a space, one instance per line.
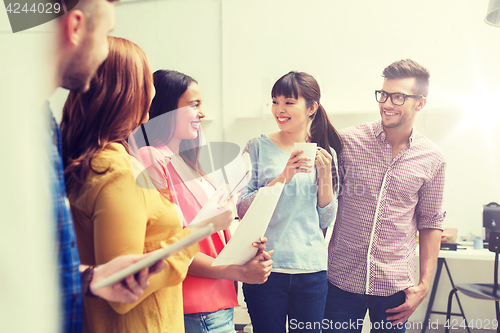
pixel 183 35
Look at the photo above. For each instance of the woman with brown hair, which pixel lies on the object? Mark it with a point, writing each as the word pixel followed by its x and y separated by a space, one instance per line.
pixel 114 216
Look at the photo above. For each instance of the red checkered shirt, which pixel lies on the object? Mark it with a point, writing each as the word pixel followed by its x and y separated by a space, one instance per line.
pixel 383 201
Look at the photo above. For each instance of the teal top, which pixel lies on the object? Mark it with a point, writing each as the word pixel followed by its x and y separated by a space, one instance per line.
pixel 295 230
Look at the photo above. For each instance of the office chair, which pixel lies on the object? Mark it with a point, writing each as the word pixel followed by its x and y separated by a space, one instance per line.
pixel 484 291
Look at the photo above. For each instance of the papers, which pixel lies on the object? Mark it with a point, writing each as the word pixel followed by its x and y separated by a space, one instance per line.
pixel 236 190
pixel 211 207
pixel 155 256
pixel 238 173
pixel 254 224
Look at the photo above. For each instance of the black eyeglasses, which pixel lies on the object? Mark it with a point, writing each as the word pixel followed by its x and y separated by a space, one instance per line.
pixel 396 98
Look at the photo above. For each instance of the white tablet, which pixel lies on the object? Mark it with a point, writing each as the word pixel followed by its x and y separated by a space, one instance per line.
pixel 157 255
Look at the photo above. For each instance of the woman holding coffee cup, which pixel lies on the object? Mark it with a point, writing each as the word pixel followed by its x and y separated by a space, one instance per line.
pixel 303 155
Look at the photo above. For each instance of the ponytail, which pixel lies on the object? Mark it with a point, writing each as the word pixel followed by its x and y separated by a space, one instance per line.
pixel 325 136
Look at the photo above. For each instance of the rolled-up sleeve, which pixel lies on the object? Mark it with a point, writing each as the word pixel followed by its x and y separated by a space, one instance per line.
pixel 328 213
pixel 429 210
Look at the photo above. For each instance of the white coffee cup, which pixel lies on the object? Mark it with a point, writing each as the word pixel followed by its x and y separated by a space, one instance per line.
pixel 309 149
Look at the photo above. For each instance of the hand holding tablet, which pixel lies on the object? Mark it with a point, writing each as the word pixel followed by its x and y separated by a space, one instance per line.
pixel 155 256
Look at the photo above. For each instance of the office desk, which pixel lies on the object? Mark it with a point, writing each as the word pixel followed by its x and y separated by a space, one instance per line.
pixel 462 254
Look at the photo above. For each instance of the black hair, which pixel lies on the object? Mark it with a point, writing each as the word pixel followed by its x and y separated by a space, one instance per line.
pixel 321 131
pixel 170 85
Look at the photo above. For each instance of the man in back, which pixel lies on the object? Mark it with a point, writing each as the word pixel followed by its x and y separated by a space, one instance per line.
pixel 392 180
pixel 82 45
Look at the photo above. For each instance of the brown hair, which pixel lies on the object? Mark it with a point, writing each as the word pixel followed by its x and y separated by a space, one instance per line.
pixel 117 102
pixel 322 132
pixel 407 68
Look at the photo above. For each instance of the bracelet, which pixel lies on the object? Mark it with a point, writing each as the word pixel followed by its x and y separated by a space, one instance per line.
pixel 86 277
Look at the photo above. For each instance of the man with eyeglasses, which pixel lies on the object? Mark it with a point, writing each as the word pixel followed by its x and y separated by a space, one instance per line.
pixel 392 180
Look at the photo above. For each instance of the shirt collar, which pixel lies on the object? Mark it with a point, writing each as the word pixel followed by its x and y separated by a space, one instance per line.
pixel 412 136
pixel 378 131
pixel 165 150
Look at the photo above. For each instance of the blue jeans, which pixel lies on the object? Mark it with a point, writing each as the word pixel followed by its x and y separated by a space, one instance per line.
pixel 300 296
pixel 344 311
pixel 214 322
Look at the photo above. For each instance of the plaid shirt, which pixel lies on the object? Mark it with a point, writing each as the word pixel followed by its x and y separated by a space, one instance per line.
pixel 68 260
pixel 382 203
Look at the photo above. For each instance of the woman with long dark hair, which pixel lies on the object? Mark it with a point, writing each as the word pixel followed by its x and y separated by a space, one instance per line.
pixel 112 214
pixel 172 158
pixel 297 285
